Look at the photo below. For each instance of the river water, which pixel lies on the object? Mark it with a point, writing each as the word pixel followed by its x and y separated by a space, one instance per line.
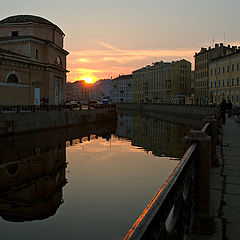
pixel 88 182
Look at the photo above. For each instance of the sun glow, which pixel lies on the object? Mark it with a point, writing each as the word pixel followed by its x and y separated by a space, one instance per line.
pixel 89 79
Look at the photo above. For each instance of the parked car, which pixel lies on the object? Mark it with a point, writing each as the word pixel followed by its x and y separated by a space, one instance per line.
pixel 74 105
pixel 94 103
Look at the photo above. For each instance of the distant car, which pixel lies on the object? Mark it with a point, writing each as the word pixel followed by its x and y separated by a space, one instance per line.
pixel 72 105
pixel 94 103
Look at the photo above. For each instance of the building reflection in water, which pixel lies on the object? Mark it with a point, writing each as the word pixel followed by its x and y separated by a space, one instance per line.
pixel 32 175
pixel 33 170
pixel 162 138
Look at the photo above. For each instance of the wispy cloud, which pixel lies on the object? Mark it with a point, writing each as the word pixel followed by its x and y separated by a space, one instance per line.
pixel 107 60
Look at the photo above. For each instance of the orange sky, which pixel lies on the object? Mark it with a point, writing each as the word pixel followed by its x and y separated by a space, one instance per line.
pixel 110 61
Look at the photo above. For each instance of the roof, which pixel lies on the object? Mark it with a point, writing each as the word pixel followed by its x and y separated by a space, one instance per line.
pixel 122 77
pixel 4 51
pixel 28 19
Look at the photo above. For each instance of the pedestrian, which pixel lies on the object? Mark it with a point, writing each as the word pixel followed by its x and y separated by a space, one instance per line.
pixel 229 109
pixel 223 107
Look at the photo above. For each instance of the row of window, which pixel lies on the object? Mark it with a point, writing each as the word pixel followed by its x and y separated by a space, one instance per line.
pixel 224 83
pixel 201 57
pixel 222 70
pixel 233 98
pixel 201 74
pixel 201 66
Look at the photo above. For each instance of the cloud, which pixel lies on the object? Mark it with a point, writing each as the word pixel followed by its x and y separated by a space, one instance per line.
pixel 107 60
pixel 84 60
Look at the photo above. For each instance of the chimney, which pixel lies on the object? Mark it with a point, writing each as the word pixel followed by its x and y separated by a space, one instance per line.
pixel 216 45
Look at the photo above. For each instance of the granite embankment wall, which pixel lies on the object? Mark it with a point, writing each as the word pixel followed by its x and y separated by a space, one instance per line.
pixel 24 122
pixel 183 111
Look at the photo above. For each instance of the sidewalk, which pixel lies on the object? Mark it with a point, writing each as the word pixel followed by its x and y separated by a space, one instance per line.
pixel 231 174
pixel 225 185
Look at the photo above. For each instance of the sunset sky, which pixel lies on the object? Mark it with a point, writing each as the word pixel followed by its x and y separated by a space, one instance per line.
pixel 106 38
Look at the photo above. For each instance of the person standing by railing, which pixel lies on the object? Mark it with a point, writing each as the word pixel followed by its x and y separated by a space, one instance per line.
pixel 229 109
pixel 223 107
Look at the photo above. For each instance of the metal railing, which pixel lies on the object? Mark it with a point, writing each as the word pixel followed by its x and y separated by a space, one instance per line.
pixel 36 108
pixel 172 212
pixel 174 104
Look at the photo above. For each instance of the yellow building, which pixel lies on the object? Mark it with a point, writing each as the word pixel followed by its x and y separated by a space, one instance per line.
pixel 202 61
pixel 162 81
pixel 32 61
pixel 224 77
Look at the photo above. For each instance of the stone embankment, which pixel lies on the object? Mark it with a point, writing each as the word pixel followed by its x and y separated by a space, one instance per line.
pixel 184 111
pixel 23 122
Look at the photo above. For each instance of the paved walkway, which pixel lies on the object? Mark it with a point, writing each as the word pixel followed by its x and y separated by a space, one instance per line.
pixel 231 175
pixel 225 185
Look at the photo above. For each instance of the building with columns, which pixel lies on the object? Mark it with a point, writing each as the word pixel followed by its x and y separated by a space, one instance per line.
pixel 32 61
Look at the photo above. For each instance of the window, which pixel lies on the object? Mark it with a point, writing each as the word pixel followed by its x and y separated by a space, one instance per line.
pixel 12 78
pixel 223 83
pixel 215 71
pixel 37 54
pixel 237 98
pixel 232 82
pixel 237 81
pixel 232 67
pixel 227 68
pixel 58 61
pixel 219 71
pixel 237 66
pixel 223 70
pixel 219 83
pixel 227 82
pixel 215 83
pixel 14 33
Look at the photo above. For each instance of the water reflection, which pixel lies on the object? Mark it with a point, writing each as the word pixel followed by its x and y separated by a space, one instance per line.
pixel 32 175
pixel 33 170
pixel 160 137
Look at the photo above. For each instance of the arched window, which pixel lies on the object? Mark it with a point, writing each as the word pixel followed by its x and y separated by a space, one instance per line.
pixel 58 61
pixel 12 78
pixel 12 169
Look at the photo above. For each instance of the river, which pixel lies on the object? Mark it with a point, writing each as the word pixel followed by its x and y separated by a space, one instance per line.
pixel 88 182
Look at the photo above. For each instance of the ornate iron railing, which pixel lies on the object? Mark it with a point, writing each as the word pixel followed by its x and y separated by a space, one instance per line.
pixel 172 212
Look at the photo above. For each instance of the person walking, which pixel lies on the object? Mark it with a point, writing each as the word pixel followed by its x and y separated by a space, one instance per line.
pixel 229 109
pixel 223 107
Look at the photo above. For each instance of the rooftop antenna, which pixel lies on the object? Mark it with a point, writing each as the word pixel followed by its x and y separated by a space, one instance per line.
pixel 213 41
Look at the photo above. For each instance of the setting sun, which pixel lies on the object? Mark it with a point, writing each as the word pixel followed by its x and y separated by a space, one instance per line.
pixel 89 79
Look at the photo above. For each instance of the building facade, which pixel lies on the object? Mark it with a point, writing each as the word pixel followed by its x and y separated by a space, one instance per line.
pixel 224 74
pixel 32 61
pixel 79 91
pixel 162 82
pixel 123 89
pixel 102 89
pixel 202 61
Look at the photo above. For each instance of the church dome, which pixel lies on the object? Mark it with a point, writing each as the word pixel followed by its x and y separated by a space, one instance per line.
pixel 27 19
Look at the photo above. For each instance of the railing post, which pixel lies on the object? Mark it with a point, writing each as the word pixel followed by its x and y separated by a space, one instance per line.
pixel 204 219
pixel 18 109
pixel 213 132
